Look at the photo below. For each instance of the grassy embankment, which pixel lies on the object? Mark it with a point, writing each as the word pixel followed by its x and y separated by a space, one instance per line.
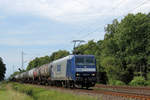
pixel 38 93
pixel 7 93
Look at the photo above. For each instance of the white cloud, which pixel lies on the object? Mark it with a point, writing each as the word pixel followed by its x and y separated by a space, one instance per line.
pixel 73 10
pixel 33 42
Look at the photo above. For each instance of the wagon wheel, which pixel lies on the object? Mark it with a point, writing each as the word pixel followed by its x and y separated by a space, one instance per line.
pixel 72 85
pixel 87 87
pixel 66 85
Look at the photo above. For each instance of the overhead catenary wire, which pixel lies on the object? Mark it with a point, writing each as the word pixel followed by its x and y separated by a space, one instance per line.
pixel 34 55
pixel 139 5
pixel 129 11
pixel 118 4
pixel 118 17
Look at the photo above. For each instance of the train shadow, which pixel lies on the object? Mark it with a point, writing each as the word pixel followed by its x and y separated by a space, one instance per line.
pixel 84 88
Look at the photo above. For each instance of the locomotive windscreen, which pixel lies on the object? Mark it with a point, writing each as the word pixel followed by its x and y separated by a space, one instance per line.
pixel 84 60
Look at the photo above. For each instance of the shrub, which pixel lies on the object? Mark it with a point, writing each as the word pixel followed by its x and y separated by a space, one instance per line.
pixel 29 92
pixel 116 82
pixel 138 81
pixel 119 83
pixel 148 82
pixel 148 76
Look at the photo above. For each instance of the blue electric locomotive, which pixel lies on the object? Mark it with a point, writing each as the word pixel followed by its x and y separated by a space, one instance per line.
pixel 74 70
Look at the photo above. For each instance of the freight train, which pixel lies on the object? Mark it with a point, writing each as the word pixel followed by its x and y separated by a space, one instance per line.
pixel 70 71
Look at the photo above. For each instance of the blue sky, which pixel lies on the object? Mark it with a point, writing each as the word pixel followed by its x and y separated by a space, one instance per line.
pixel 40 27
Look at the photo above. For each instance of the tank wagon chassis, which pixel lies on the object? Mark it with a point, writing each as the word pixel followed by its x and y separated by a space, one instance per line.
pixel 69 72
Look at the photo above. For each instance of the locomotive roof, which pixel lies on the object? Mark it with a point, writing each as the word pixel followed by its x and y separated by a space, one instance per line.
pixel 84 55
pixel 69 57
pixel 62 59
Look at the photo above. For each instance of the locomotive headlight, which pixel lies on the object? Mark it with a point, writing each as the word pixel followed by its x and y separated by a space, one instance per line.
pixel 77 74
pixel 93 74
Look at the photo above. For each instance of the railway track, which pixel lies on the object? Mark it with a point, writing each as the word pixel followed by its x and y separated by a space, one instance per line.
pixel 106 92
pixel 122 87
pixel 126 94
pixel 141 93
pixel 131 89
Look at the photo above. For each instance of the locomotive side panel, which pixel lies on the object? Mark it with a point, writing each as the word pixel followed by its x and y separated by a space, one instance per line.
pixel 59 69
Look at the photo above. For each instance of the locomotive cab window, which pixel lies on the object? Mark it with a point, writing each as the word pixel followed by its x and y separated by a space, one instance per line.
pixel 90 61
pixel 85 61
pixel 79 60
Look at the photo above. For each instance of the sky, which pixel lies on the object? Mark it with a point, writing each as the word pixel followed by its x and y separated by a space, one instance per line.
pixel 40 27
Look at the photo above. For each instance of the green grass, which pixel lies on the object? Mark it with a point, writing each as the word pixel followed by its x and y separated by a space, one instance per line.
pixel 6 93
pixel 46 94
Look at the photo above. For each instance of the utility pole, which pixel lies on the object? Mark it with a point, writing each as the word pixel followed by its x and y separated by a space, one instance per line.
pixel 75 42
pixel 13 68
pixel 22 60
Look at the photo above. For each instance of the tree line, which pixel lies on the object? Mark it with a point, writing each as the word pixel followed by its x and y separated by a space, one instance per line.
pixel 2 69
pixel 37 62
pixel 123 54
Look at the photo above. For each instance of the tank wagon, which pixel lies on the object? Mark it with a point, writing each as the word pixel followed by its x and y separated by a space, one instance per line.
pixel 70 71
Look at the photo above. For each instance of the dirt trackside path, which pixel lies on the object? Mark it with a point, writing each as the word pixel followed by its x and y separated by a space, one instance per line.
pixel 6 93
